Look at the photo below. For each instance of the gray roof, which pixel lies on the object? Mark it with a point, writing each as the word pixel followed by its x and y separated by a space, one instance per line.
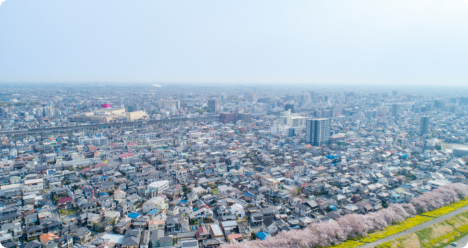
pixel 156 234
pixel 301 206
pixel 268 222
pixel 166 240
pixel 132 238
pixel 189 243
pixel 81 231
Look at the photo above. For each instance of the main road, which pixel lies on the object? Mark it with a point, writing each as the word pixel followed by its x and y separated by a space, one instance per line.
pixel 416 228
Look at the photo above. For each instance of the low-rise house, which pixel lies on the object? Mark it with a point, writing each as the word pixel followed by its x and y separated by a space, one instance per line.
pixel 132 239
pixel 47 238
pixel 88 219
pixel 202 233
pixel 202 213
pixel 156 225
pixel 211 243
pixel 154 238
pixel 33 232
pixel 30 219
pixel 173 225
pixel 189 244
pixel 256 218
pixel 89 208
pixel 268 213
pixel 9 218
pixel 302 209
pixel 270 226
pixel 65 203
pixel 119 195
pixel 14 229
pixel 152 204
pixel 81 235
pixel 65 241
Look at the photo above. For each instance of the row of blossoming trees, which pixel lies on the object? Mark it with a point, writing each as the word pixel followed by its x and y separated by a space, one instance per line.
pixel 357 225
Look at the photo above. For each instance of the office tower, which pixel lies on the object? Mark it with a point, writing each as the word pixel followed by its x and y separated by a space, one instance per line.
pixel 349 97
pixel 424 126
pixel 395 110
pixel 227 117
pixel 395 93
pixel 371 114
pixel 289 106
pixel 249 98
pixel 428 107
pixel 318 131
pixel 292 132
pixel 245 117
pixel 463 101
pixel 213 105
pixel 439 104
pixel 133 108
pixel 327 113
pixel 119 104
pixel 47 111
pixel 169 104
pixel 318 114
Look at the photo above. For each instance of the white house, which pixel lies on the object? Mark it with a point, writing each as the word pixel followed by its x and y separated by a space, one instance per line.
pixel 238 210
pixel 157 187
pixel 202 213
pixel 33 185
pixel 152 204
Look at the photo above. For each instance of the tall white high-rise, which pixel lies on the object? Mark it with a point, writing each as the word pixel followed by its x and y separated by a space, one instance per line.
pixel 424 126
pixel 318 131
pixel 395 110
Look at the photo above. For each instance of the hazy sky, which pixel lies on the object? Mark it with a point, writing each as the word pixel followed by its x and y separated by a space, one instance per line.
pixel 310 41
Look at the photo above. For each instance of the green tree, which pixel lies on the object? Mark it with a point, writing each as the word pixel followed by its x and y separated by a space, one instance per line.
pixel 253 236
pixel 299 191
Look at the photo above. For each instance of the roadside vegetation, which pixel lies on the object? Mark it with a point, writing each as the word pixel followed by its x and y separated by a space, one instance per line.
pixel 435 236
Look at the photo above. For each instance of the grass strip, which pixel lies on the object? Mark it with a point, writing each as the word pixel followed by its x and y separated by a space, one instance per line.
pixel 405 225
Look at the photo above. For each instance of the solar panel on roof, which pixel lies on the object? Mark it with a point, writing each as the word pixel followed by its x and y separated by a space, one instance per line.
pixel 190 244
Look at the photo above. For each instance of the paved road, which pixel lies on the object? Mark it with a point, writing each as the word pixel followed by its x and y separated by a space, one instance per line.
pixel 463 242
pixel 416 228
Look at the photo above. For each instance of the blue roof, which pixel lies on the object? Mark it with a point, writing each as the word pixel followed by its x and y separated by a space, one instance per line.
pixel 262 235
pixel 183 201
pixel 248 194
pixel 209 171
pixel 133 215
pixel 103 193
pixel 154 211
pixel 248 173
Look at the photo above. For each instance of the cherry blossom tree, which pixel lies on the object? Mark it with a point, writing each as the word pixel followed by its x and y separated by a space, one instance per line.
pixel 357 225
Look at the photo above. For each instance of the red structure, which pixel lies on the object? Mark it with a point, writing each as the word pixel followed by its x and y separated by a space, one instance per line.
pixel 105 105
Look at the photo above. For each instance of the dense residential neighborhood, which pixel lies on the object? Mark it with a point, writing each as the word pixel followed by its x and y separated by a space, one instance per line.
pixel 188 166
